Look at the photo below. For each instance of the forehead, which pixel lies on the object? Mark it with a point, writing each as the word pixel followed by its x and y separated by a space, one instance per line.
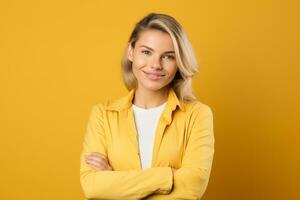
pixel 155 39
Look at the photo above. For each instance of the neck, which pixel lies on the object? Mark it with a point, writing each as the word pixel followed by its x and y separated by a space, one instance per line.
pixel 148 98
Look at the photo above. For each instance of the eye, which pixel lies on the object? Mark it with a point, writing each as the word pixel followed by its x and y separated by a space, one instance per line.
pixel 146 52
pixel 170 57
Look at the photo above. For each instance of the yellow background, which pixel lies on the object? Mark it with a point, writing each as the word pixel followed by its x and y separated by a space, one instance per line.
pixel 58 58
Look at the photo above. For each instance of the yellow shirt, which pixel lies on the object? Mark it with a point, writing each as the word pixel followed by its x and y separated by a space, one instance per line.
pixel 184 139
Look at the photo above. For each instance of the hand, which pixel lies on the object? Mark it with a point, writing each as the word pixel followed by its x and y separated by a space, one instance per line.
pixel 173 170
pixel 97 161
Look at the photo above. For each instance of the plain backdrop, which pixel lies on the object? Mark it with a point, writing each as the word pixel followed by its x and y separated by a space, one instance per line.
pixel 58 58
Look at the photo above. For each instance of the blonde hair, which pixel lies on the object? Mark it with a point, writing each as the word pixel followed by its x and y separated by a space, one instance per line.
pixel 185 58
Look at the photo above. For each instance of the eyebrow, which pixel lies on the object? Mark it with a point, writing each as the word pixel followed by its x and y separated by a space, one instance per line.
pixel 153 49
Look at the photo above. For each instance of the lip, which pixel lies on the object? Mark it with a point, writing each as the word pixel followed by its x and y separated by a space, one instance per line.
pixel 153 76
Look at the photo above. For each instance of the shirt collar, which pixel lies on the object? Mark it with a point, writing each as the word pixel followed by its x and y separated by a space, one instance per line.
pixel 126 101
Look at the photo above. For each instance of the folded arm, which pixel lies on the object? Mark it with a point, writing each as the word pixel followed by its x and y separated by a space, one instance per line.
pixel 191 180
pixel 132 184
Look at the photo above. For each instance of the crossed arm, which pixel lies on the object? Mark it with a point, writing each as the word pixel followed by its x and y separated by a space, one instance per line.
pixel 99 181
pixel 99 162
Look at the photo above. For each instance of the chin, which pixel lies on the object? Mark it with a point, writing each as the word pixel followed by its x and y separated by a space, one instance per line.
pixel 154 86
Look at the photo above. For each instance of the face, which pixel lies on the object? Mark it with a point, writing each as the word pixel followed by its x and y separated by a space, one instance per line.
pixel 153 60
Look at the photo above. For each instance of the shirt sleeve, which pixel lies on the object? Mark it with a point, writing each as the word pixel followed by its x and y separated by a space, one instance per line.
pixel 133 184
pixel 191 180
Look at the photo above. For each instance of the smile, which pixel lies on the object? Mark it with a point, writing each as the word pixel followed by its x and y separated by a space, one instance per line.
pixel 153 77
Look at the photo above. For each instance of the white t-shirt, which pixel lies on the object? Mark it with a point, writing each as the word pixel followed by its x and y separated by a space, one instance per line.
pixel 146 121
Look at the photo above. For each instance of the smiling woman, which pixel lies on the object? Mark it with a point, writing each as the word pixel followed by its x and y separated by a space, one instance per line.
pixel 157 142
pixel 153 60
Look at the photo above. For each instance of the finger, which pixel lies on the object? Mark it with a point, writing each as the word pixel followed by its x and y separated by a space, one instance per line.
pixel 94 163
pixel 97 159
pixel 103 162
pixel 98 167
pixel 96 154
pixel 94 159
pixel 95 167
pixel 97 163
pixel 102 165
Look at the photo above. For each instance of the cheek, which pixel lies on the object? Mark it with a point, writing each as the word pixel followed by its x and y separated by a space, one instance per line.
pixel 172 69
pixel 137 65
pixel 139 62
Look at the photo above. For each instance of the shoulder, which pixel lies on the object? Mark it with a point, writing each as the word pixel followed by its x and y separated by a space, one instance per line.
pixel 198 114
pixel 199 117
pixel 110 105
pixel 197 107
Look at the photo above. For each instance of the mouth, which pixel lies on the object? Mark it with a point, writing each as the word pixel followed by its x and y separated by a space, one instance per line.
pixel 154 76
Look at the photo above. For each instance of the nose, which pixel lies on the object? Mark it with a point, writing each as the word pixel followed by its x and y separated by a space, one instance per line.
pixel 156 64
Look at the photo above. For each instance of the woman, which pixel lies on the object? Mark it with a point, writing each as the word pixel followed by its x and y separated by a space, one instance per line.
pixel 156 142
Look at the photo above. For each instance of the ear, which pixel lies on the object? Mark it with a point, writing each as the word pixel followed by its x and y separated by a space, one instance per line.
pixel 130 52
